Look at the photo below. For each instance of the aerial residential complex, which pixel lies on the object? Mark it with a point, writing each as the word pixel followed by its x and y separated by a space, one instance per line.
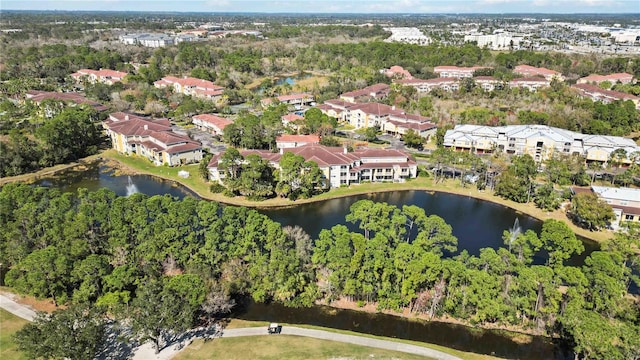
pixel 597 93
pixel 539 141
pixel 191 86
pixel 104 76
pixel 152 139
pixel 624 201
pixel 338 166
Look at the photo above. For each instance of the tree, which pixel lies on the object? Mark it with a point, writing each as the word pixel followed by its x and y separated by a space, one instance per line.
pixel 559 241
pixel 166 306
pixel 547 198
pixel 43 273
pixel 74 333
pixel 590 212
pixel 412 139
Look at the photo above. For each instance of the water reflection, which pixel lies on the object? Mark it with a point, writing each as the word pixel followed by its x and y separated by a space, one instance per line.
pixel 490 342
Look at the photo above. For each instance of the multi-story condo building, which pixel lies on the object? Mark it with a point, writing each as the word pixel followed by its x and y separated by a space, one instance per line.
pixel 212 123
pixel 296 100
pixel 624 201
pixel 373 92
pixel 488 83
pixel 622 78
pixel 531 84
pixel 539 141
pixel 104 76
pixel 532 71
pixel 338 166
pixel 290 141
pixel 191 86
pixel 151 138
pixel 456 71
pixel 596 93
pixel 425 86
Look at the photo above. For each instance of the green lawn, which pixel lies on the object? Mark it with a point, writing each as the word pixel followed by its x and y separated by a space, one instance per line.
pixel 238 323
pixel 9 325
pixel 282 347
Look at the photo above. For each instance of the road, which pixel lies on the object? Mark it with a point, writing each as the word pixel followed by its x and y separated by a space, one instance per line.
pixel 146 351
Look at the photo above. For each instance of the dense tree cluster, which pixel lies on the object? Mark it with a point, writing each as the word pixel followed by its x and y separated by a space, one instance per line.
pixel 120 253
pixel 163 263
pixel 69 135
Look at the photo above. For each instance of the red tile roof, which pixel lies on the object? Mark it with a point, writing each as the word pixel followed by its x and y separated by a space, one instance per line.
pixel 218 121
pixel 593 89
pixel 611 77
pixel 368 91
pixel 295 97
pixel 39 96
pixel 532 70
pixel 292 117
pixel 310 139
pixel 375 109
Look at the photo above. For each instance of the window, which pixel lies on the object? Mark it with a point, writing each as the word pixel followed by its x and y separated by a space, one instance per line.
pixel 629 217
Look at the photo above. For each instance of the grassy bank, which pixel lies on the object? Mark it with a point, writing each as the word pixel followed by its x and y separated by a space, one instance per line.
pixel 9 325
pixel 237 323
pixel 199 186
pixel 284 347
pixel 31 177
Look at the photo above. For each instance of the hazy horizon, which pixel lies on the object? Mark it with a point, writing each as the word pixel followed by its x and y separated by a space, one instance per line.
pixel 337 6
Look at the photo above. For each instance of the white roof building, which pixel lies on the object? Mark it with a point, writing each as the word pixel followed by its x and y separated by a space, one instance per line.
pixel 539 141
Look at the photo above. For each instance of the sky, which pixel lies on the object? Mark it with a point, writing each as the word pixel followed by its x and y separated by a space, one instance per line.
pixel 335 6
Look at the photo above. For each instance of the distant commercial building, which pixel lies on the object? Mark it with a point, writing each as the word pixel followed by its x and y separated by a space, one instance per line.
pixel 495 41
pixel 153 40
pixel 539 141
pixel 409 35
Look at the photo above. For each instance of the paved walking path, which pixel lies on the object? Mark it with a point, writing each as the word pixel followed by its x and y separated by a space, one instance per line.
pixel 146 351
pixel 16 309
pixel 351 339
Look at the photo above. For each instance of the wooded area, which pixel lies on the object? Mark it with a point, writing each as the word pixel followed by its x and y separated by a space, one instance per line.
pixel 117 253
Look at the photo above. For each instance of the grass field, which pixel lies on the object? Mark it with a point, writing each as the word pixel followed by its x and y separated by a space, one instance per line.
pixel 238 323
pixel 9 325
pixel 282 347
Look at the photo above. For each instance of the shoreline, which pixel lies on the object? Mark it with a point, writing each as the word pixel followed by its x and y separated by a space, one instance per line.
pixel 125 165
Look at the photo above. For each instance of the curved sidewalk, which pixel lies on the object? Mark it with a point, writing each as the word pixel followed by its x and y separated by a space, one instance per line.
pixel 351 339
pixel 16 309
pixel 146 350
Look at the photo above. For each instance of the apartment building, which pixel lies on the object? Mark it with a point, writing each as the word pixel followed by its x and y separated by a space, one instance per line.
pixel 296 100
pixel 338 166
pixel 624 201
pixel 596 93
pixel 456 71
pixel 539 141
pixel 191 86
pixel 212 123
pixel 425 86
pixel 290 141
pixel 531 84
pixel 104 76
pixel 532 71
pixel 369 93
pixel 622 78
pixel 152 139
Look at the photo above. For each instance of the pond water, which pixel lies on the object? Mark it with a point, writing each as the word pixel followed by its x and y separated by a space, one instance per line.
pixel 480 341
pixel 98 176
pixel 475 223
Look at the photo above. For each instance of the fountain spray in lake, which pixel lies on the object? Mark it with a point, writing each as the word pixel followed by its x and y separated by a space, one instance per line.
pixel 515 231
pixel 132 188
